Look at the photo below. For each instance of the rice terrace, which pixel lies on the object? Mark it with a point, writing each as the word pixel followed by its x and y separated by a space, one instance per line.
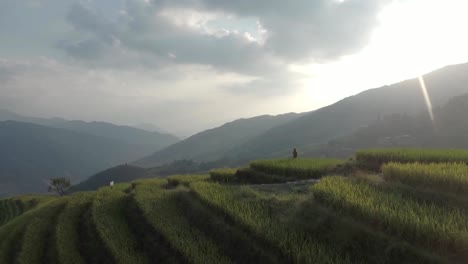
pixel 411 209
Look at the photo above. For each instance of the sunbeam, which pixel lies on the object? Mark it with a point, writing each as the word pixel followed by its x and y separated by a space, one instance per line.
pixel 427 98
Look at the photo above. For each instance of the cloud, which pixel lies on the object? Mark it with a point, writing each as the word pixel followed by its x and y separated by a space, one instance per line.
pixel 296 32
pixel 187 102
pixel 128 60
pixel 303 29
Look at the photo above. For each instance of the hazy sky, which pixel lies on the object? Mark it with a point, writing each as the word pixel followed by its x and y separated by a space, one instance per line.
pixel 188 65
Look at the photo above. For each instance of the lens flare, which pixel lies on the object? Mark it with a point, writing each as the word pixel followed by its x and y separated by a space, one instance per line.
pixel 427 99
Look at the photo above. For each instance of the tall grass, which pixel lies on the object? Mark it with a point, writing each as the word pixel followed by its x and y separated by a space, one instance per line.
pixel 3 211
pixel 12 232
pixel 9 210
pixel 245 207
pixel 296 168
pixel 160 207
pixel 374 158
pixel 68 227
pixel 108 213
pixel 439 228
pixel 40 228
pixel 10 242
pixel 449 177
pixel 12 207
pixel 223 175
pixel 185 180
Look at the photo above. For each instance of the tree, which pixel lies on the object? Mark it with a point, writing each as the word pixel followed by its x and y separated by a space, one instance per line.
pixel 59 185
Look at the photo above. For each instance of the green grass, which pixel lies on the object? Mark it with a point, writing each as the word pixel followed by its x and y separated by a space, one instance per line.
pixel 439 228
pixel 13 231
pixel 68 237
pixel 232 239
pixel 361 242
pixel 245 206
pixel 160 208
pixel 223 175
pixel 449 177
pixel 92 247
pixel 415 213
pixel 12 236
pixel 3 211
pixel 39 233
pixel 374 158
pixel 12 207
pixel 185 180
pixel 108 215
pixel 296 168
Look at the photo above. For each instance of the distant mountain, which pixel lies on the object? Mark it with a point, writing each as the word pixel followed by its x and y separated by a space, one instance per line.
pixel 128 173
pixel 214 144
pixel 150 127
pixel 147 141
pixel 344 117
pixel 449 130
pixel 30 154
pixel 118 174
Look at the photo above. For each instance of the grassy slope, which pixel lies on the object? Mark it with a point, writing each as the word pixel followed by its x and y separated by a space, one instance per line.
pixel 108 215
pixel 160 208
pixel 190 219
pixel 68 229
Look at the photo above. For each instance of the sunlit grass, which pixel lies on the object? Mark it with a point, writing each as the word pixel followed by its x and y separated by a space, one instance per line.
pixel 424 223
pixel 108 213
pixel 450 177
pixel 296 168
pixel 374 158
pixel 246 207
pixel 223 175
pixel 160 208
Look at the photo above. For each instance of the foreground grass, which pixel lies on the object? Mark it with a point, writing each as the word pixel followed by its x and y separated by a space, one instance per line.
pixel 223 175
pixel 13 207
pixel 108 212
pixel 10 244
pixel 245 207
pixel 13 231
pixel 449 177
pixel 160 208
pixel 68 240
pixel 374 158
pixel 296 168
pixel 439 228
pixel 39 234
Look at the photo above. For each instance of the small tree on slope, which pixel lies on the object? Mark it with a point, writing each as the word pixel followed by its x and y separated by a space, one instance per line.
pixel 59 185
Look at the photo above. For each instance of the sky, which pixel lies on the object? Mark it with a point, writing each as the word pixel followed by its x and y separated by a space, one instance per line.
pixel 189 65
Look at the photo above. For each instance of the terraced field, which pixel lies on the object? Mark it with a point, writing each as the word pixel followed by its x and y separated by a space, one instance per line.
pixel 277 171
pixel 375 158
pixel 208 219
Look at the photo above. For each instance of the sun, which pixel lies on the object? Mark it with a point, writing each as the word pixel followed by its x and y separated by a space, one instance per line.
pixel 413 37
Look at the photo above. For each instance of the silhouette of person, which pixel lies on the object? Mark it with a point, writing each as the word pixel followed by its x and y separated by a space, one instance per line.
pixel 294 153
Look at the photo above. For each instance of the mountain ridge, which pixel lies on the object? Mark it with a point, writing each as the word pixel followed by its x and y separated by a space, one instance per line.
pixel 31 154
pixel 317 127
pixel 149 140
pixel 213 144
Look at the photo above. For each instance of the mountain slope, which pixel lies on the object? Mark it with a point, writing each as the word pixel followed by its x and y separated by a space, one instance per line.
pixel 354 112
pixel 215 143
pixel 30 154
pixel 118 174
pixel 450 130
pixel 148 141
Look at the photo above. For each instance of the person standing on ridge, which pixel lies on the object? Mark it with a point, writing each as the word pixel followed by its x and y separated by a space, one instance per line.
pixel 294 153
